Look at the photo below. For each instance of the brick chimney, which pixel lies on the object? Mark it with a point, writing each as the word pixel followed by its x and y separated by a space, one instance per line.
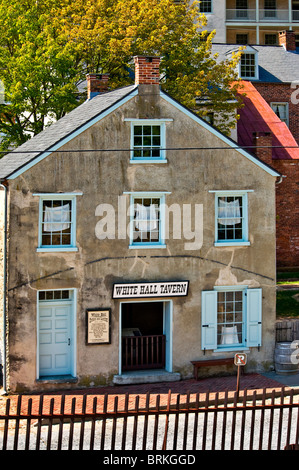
pixel 96 83
pixel 263 146
pixel 287 40
pixel 147 70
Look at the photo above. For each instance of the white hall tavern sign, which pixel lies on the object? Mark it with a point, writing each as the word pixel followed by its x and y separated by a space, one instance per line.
pixel 150 289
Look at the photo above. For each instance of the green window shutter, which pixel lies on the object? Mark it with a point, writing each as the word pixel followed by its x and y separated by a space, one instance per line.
pixel 209 320
pixel 254 317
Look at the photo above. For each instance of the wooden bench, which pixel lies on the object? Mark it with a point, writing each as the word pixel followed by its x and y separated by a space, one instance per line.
pixel 210 363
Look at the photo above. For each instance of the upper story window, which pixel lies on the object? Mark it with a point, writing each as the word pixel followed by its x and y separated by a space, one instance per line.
pixel 231 218
pixel 147 220
pixel 241 8
pixel 248 66
pixel 282 111
pixel 270 8
pixel 271 39
pixel 241 39
pixel 148 140
pixel 205 6
pixel 57 222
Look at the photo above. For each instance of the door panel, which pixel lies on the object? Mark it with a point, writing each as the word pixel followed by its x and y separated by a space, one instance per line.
pixel 55 351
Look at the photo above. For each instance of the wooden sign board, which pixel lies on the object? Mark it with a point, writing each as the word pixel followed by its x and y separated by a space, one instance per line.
pixel 150 289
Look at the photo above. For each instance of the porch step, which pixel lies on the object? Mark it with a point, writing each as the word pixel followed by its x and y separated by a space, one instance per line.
pixel 146 376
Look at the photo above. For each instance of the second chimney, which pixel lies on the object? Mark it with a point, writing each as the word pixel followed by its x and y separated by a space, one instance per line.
pixel 263 146
pixel 147 70
pixel 96 83
pixel 287 40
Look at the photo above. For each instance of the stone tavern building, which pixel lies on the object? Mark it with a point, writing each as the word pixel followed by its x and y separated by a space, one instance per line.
pixel 136 238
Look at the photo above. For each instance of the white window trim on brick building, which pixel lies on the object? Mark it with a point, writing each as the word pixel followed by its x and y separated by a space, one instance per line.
pixel 251 67
pixel 281 109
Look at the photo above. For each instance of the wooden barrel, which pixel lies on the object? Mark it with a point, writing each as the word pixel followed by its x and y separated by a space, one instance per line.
pixel 286 358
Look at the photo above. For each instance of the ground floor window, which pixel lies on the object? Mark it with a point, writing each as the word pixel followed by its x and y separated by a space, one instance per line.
pixel 231 318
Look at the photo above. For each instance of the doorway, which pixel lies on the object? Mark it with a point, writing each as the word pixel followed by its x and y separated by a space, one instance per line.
pixel 56 343
pixel 146 337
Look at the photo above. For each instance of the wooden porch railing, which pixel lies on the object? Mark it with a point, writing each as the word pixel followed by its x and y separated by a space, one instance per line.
pixel 143 352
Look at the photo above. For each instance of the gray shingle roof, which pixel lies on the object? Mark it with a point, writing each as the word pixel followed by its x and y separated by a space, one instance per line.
pixel 59 130
pixel 276 65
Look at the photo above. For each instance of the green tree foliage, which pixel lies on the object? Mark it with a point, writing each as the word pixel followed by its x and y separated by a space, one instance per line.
pixel 48 46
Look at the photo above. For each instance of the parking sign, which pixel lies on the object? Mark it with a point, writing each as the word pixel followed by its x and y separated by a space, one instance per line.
pixel 240 359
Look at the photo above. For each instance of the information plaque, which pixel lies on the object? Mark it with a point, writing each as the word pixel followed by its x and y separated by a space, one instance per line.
pixel 98 326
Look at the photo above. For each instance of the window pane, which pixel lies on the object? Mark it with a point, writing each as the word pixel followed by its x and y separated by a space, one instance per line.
pixel 138 130
pixel 205 6
pixel 54 295
pixel 229 318
pixel 57 222
pixel 146 227
pixel 230 218
pixel 248 65
pixel 147 130
pixel 147 141
pixel 138 140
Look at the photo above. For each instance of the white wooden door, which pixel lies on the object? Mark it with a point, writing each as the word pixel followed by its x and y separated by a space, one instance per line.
pixel 55 339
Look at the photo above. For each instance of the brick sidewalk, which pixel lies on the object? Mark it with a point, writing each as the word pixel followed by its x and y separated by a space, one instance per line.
pixel 213 386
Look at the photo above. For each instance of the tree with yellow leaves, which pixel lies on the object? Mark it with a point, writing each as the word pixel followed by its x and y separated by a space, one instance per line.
pixel 48 46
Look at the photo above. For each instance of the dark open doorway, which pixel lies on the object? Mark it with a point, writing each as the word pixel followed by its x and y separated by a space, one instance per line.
pixel 143 341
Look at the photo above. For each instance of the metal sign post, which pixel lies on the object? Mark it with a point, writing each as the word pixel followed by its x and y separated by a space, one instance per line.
pixel 239 361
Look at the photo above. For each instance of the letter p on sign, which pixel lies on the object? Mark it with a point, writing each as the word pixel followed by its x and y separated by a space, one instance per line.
pixel 240 359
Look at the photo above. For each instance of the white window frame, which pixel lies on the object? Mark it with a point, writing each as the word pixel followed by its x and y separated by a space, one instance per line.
pixel 251 319
pixel 242 289
pixel 149 122
pixel 145 195
pixel 236 242
pixel 249 51
pixel 207 12
pixel 57 197
pixel 285 104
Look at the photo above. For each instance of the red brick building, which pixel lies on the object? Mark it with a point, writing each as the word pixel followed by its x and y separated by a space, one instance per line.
pixel 281 91
pixel 274 144
pixel 271 82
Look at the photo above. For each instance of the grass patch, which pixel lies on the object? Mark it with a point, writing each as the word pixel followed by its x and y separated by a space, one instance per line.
pixel 286 305
pixel 288 283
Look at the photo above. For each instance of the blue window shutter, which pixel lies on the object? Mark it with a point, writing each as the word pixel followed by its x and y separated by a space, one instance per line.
pixel 209 320
pixel 254 317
